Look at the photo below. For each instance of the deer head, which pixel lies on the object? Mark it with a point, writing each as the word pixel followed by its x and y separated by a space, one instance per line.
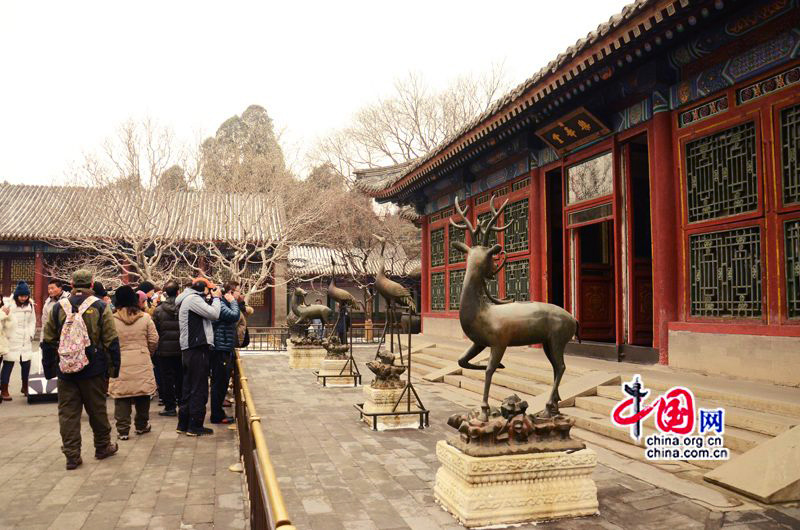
pixel 480 257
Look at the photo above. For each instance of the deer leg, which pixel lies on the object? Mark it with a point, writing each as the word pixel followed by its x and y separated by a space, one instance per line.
pixel 494 362
pixel 555 354
pixel 472 351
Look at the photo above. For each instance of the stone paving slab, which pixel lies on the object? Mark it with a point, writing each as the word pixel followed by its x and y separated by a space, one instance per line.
pixel 335 472
pixel 158 480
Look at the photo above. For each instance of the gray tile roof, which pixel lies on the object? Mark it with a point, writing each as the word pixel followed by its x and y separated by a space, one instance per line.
pixel 56 212
pixel 558 72
pixel 307 261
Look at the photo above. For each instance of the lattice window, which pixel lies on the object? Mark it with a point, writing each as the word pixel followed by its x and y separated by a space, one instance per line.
pixel 492 286
pixel 518 185
pixel 455 234
pixel 517 284
pixel 721 174
pixel 792 244
pixel 257 299
pixel 437 291
pixel 437 247
pixel 484 217
pixel 456 283
pixel 790 152
pixel 23 269
pixel 516 235
pixel 726 273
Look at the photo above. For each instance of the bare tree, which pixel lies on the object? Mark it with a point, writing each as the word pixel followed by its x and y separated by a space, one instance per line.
pixel 410 122
pixel 122 221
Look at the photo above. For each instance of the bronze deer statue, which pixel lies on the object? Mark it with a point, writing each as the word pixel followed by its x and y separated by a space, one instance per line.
pixel 498 324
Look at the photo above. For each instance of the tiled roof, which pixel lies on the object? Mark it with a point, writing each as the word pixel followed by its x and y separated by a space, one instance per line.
pixel 305 261
pixel 409 214
pixel 376 179
pixel 60 212
pixel 635 20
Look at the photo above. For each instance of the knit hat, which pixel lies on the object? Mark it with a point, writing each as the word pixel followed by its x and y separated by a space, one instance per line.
pixel 146 286
pixel 142 297
pixel 22 290
pixel 205 281
pixel 82 278
pixel 99 290
pixel 126 297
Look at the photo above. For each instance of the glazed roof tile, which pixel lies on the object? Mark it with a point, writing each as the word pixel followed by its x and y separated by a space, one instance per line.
pixel 63 212
pixel 306 261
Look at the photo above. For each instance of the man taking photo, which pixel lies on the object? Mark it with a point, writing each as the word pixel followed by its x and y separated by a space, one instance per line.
pixel 195 318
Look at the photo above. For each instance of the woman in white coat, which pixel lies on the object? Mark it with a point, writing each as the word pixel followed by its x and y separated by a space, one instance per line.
pixel 4 322
pixel 21 329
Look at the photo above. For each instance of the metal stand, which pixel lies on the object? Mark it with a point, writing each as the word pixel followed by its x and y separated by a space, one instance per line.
pixel 349 365
pixel 390 324
pixel 405 396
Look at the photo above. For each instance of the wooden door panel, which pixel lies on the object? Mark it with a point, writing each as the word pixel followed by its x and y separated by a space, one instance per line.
pixel 596 302
pixel 642 304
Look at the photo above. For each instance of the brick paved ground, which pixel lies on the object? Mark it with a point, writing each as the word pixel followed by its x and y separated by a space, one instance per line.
pixel 337 473
pixel 159 480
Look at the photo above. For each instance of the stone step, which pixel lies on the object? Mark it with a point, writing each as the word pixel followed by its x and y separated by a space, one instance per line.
pixel 771 399
pixel 515 384
pixel 736 439
pixel 428 360
pixel 601 424
pixel 743 418
pixel 497 392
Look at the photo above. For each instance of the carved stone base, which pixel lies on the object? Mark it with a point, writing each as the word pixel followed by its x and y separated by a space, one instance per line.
pixel 383 400
pixel 305 356
pixel 512 489
pixel 332 368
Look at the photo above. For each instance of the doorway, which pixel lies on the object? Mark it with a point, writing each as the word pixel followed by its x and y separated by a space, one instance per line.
pixel 595 281
pixel 555 238
pixel 640 246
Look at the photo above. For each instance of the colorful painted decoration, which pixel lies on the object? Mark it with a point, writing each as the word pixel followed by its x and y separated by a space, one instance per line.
pixel 573 130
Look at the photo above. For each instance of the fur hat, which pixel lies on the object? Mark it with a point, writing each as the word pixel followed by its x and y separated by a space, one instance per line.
pixel 99 290
pixel 126 297
pixel 22 290
pixel 82 278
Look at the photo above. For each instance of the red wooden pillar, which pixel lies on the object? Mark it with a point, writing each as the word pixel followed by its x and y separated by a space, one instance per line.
pixel 38 284
pixel 424 281
pixel 664 227
pixel 536 222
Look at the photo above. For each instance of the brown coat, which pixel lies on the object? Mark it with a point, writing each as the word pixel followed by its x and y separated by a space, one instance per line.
pixel 138 339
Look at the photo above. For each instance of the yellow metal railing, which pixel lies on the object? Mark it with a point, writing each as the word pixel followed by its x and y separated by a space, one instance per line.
pixel 267 508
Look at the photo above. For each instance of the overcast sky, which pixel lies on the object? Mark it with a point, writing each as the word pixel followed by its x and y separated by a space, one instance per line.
pixel 73 71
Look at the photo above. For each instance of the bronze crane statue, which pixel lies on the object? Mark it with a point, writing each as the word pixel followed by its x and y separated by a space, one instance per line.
pixel 339 294
pixel 497 324
pixel 393 293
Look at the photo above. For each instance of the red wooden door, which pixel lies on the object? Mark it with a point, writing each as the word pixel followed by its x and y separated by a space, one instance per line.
pixel 595 282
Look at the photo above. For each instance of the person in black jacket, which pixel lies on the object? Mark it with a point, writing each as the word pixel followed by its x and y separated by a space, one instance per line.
pixel 168 355
pixel 225 339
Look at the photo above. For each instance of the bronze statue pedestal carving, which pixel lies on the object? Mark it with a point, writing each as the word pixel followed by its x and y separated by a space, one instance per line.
pixel 305 356
pixel 514 468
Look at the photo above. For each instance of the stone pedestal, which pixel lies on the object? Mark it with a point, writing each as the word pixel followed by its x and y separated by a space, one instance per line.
pixel 516 488
pixel 383 400
pixel 305 356
pixel 332 368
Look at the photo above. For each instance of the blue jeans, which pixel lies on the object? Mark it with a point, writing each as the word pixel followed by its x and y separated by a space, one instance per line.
pixel 8 366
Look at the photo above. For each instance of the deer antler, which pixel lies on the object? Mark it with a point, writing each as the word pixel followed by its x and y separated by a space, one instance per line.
pixel 492 298
pixel 502 264
pixel 467 224
pixel 488 227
